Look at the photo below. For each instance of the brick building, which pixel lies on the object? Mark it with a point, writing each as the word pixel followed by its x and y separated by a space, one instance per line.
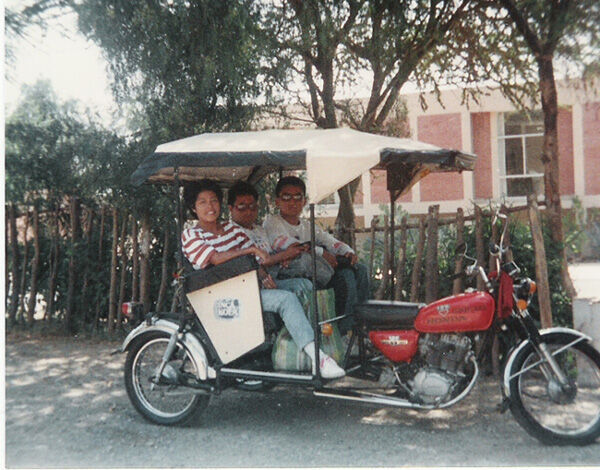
pixel 508 145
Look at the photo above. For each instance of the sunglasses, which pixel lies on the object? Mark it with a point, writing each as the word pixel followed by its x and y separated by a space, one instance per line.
pixel 244 207
pixel 289 197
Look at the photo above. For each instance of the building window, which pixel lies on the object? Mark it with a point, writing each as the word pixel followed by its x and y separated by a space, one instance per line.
pixel 521 140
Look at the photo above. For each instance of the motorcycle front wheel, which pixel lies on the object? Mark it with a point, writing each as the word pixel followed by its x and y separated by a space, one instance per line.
pixel 553 414
pixel 162 400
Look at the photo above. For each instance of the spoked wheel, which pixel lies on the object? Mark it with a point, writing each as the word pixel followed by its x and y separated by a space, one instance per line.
pixel 555 414
pixel 162 400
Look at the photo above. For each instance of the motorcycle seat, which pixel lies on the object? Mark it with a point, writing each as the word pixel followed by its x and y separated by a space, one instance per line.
pixel 388 313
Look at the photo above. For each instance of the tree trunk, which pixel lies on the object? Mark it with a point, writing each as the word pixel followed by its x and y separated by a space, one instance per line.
pixel 164 278
pixel 112 296
pixel 431 263
pixel 416 273
pixel 550 158
pixel 23 282
pixel 14 248
pixel 541 268
pixel 145 262
pixel 35 268
pixel 53 267
pixel 70 313
pixel 135 281
pixel 122 282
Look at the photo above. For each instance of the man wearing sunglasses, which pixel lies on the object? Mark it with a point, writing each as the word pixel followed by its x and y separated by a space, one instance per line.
pixel 350 280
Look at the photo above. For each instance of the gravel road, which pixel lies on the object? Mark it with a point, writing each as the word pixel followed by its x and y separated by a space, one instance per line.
pixel 66 406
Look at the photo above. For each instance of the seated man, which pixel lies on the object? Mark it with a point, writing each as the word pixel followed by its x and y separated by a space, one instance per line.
pixel 350 280
pixel 211 242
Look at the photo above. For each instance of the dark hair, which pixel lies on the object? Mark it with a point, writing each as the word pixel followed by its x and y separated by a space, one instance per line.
pixel 241 188
pixel 290 181
pixel 191 191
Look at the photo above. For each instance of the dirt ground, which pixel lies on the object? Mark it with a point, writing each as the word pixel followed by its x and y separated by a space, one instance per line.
pixel 66 406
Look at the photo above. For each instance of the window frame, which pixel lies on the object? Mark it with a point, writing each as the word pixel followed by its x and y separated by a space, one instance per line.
pixel 502 138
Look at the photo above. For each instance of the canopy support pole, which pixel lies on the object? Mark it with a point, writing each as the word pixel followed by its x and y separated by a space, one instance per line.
pixel 315 305
pixel 179 242
pixel 393 197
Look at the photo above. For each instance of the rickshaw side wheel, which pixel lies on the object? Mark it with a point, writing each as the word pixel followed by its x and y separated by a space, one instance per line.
pixel 251 385
pixel 162 401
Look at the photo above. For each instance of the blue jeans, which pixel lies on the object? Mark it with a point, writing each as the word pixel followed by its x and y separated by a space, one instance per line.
pixel 289 308
pixel 351 286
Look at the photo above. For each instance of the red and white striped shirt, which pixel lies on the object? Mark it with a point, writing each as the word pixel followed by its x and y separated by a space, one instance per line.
pixel 200 245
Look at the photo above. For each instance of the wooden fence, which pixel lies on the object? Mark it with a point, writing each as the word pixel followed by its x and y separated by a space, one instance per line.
pixel 426 253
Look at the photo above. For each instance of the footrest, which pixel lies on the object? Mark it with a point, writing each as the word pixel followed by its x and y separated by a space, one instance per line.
pixel 388 313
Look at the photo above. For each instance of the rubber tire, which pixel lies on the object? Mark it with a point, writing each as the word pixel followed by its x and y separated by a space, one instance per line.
pixel 200 401
pixel 526 420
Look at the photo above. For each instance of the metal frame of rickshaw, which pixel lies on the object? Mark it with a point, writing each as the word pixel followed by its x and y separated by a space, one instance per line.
pixel 401 175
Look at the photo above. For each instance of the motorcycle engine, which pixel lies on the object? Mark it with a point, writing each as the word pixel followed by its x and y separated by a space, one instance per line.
pixel 444 357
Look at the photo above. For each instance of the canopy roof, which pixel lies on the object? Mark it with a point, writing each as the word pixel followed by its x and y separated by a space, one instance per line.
pixel 331 158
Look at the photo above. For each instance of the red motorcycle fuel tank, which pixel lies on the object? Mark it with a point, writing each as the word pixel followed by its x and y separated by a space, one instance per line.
pixel 396 345
pixel 472 311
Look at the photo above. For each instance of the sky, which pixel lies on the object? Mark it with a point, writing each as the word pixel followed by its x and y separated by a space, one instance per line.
pixel 74 66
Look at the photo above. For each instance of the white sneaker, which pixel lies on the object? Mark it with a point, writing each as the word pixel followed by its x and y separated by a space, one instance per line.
pixel 329 368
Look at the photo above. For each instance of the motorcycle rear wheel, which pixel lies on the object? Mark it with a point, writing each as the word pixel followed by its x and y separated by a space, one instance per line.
pixel 165 402
pixel 553 416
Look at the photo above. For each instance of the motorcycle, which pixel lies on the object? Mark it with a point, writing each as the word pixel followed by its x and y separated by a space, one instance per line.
pixel 410 355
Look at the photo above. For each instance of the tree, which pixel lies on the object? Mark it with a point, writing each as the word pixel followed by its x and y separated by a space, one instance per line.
pixel 179 67
pixel 330 44
pixel 564 28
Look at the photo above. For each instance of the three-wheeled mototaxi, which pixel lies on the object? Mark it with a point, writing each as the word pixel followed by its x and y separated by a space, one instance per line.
pixel 404 354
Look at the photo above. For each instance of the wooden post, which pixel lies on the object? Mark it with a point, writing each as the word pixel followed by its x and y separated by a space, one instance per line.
pixel 73 275
pixel 135 257
pixel 431 260
pixel 416 273
pixel 122 282
pixel 14 248
pixel 479 249
pixel 164 278
pixel 54 262
pixel 145 247
pixel 35 267
pixel 112 295
pixel 494 240
pixel 23 282
pixel 85 302
pixel 372 251
pixel 380 293
pixel 401 260
pixel 541 268
pixel 457 285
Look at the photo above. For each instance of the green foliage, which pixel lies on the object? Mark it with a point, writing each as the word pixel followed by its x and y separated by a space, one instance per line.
pixel 182 67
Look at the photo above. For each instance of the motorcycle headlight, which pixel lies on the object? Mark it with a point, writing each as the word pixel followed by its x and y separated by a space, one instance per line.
pixel 525 288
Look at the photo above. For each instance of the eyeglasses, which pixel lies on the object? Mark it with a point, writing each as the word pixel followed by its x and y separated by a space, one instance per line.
pixel 289 197
pixel 244 207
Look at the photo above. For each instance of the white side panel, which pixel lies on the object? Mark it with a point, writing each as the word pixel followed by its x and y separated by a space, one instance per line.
pixel 231 314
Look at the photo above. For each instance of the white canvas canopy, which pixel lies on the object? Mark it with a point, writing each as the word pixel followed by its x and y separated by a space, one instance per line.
pixel 331 158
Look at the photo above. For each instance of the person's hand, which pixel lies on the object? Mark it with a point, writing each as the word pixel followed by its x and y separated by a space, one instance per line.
pixel 294 251
pixel 330 258
pixel 262 254
pixel 352 257
pixel 266 281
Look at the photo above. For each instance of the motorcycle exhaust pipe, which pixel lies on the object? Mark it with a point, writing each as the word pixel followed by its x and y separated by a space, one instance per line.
pixel 378 399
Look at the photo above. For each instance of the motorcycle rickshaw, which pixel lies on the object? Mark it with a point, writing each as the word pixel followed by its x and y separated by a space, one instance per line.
pixel 408 354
